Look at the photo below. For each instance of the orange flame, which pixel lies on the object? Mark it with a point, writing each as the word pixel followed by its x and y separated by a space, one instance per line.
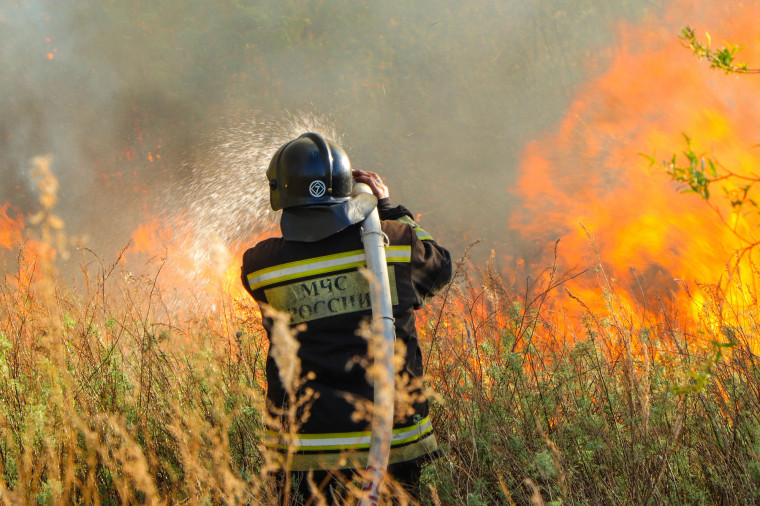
pixel 195 268
pixel 10 227
pixel 148 237
pixel 589 172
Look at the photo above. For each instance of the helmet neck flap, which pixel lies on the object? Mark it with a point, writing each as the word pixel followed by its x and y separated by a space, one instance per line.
pixel 314 223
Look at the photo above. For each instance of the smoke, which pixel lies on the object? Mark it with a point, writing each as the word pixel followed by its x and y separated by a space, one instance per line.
pixel 165 108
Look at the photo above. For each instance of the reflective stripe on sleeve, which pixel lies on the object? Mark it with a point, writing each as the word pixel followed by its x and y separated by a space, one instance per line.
pixel 322 265
pixel 421 234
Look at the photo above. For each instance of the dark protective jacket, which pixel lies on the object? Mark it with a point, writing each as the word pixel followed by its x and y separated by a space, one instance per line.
pixel 319 285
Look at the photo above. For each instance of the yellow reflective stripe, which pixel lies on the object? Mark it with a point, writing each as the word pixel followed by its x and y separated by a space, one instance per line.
pixel 423 430
pixel 398 254
pixel 422 427
pixel 301 268
pixel 321 265
pixel 348 444
pixel 358 459
pixel 421 234
pixel 346 440
pixel 355 446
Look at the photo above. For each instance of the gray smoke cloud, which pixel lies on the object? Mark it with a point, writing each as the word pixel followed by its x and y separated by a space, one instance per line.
pixel 155 108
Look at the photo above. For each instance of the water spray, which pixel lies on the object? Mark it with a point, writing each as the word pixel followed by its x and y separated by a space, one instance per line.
pixel 220 205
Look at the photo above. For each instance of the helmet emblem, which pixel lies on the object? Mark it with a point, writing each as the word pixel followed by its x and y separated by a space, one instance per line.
pixel 317 188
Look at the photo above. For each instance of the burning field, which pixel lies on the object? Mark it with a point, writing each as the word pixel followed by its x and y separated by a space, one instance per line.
pixel 605 353
pixel 623 130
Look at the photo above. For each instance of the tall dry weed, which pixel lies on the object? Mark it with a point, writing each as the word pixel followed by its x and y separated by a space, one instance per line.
pixel 109 395
pixel 633 406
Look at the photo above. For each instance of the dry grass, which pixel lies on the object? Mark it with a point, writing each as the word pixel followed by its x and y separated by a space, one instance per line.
pixel 108 395
pixel 628 407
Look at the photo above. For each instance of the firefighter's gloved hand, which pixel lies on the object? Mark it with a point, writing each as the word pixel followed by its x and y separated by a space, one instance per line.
pixel 372 180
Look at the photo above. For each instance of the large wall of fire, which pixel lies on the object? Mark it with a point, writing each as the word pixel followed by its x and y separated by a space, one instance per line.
pixel 510 122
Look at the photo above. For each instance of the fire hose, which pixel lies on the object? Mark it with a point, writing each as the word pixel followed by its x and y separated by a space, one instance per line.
pixel 381 350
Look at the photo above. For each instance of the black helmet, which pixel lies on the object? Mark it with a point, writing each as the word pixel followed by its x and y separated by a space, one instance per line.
pixel 307 171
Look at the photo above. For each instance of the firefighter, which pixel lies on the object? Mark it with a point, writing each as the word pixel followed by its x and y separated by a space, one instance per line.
pixel 312 274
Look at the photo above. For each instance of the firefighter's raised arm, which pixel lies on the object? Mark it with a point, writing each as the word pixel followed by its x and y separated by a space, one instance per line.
pixel 431 263
pixel 372 180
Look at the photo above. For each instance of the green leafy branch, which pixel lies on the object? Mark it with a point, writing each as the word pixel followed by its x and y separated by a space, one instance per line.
pixel 722 59
pixel 699 172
